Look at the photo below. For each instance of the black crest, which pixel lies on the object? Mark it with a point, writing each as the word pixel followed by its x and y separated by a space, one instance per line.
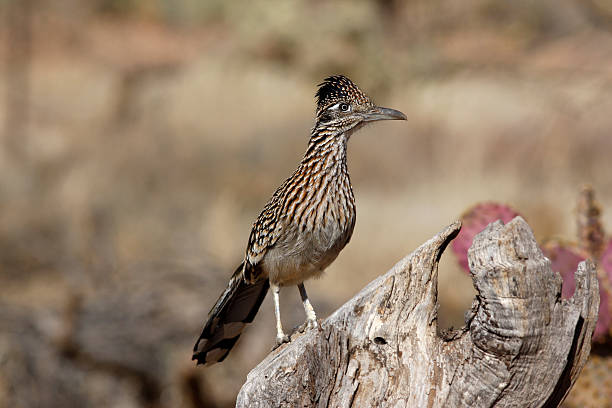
pixel 339 88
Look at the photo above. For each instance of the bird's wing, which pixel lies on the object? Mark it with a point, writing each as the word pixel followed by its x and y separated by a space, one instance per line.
pixel 267 229
pixel 264 234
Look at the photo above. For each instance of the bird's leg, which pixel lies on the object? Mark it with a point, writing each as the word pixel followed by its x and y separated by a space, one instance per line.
pixel 311 317
pixel 281 337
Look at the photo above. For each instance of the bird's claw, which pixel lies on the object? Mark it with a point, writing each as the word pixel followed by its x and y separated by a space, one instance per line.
pixel 309 324
pixel 280 340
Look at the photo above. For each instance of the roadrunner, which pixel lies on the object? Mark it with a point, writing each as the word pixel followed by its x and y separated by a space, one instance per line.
pixel 304 226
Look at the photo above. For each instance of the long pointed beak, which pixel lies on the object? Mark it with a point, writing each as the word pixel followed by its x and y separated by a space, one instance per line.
pixel 379 113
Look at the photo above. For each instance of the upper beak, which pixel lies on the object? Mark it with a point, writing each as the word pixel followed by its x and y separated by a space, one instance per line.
pixel 378 113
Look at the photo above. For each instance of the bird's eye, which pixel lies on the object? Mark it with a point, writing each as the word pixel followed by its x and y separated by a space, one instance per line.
pixel 345 107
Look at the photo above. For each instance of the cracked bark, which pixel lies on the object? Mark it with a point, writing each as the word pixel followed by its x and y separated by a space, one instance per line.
pixel 522 345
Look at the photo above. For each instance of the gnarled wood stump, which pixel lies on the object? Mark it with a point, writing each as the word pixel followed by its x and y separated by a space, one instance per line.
pixel 522 346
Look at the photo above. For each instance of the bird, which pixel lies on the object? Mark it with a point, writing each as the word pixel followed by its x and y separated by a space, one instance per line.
pixel 301 230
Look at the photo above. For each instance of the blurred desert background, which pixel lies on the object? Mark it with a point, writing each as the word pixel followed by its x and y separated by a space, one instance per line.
pixel 140 139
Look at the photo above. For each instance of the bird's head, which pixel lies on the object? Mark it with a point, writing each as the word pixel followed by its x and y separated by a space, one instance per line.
pixel 342 106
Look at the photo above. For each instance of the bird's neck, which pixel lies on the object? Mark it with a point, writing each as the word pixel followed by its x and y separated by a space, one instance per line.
pixel 327 148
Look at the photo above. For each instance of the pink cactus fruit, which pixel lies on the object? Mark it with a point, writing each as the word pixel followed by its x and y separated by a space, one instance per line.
pixel 564 258
pixel 606 260
pixel 605 284
pixel 474 220
pixel 594 386
pixel 592 239
pixel 591 233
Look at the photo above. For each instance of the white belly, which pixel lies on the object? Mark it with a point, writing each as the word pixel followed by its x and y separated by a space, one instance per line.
pixel 301 255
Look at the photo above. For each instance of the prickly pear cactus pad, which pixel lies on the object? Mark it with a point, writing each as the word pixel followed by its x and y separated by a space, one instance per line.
pixel 474 220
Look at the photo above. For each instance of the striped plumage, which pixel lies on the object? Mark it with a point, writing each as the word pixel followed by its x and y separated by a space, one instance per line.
pixel 303 227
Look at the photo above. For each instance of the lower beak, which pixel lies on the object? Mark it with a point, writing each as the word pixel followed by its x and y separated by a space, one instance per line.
pixel 378 113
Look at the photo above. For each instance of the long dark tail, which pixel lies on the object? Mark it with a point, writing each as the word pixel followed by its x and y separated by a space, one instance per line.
pixel 236 307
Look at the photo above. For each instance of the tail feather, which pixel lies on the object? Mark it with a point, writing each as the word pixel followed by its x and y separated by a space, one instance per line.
pixel 236 307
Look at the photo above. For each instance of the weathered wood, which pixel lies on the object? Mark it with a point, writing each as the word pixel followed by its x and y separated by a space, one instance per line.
pixel 522 346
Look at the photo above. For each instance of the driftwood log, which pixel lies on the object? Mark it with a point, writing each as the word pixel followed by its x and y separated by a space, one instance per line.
pixel 522 345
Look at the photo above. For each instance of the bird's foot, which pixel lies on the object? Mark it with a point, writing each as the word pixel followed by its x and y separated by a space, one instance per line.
pixel 309 324
pixel 280 340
